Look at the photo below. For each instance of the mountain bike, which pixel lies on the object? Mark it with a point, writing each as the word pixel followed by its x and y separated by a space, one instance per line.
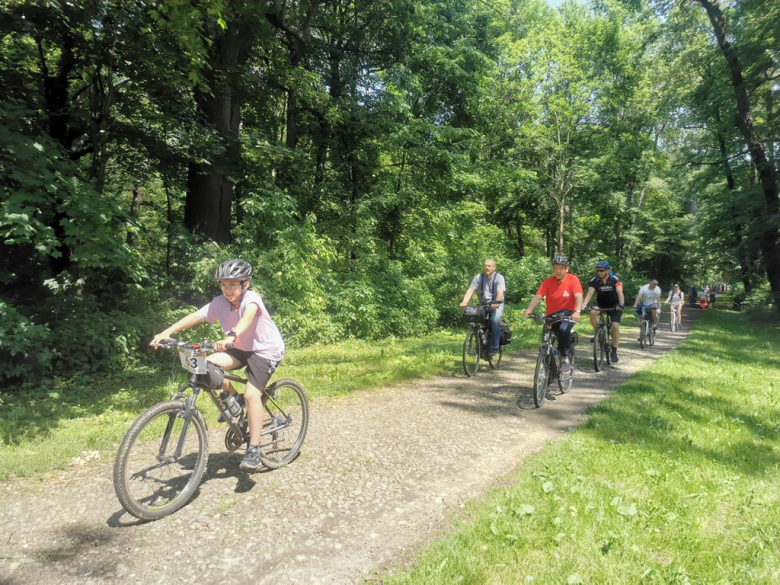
pixel 164 454
pixel 602 342
pixel 548 363
pixel 477 342
pixel 646 330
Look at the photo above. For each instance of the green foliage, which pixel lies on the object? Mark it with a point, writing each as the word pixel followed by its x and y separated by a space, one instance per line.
pixel 371 167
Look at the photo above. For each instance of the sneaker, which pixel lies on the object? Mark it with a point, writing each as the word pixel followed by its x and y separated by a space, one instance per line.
pixel 241 401
pixel 565 365
pixel 593 339
pixel 655 327
pixel 251 460
pixel 614 357
pixel 492 352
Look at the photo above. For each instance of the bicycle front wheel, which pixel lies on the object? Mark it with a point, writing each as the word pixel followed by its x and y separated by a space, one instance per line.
pixel 565 380
pixel 150 480
pixel 643 327
pixel 599 350
pixel 541 377
pixel 650 334
pixel 471 351
pixel 286 404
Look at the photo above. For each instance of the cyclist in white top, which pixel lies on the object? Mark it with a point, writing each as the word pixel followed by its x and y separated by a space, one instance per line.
pixel 650 294
pixel 676 298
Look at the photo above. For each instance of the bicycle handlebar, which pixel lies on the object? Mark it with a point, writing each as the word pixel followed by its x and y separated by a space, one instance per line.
pixel 171 343
pixel 551 320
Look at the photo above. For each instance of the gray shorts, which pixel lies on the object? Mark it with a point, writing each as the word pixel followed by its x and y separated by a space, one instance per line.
pixel 258 369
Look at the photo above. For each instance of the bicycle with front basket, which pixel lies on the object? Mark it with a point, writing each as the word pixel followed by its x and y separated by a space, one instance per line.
pixel 477 342
pixel 602 342
pixel 164 454
pixel 548 363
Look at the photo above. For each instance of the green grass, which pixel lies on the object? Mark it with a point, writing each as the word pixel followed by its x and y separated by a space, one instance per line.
pixel 673 479
pixel 69 422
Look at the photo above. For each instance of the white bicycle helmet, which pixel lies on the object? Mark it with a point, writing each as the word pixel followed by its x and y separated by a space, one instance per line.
pixel 235 268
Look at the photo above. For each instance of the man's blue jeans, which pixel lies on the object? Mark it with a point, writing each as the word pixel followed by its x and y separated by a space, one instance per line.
pixel 495 329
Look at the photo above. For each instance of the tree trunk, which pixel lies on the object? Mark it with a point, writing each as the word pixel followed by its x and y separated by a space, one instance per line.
pixel 135 210
pixel 768 240
pixel 209 190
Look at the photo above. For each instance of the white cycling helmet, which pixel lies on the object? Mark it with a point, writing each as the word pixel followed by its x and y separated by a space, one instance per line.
pixel 235 268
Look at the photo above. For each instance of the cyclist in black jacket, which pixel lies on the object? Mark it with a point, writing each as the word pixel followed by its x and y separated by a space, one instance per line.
pixel 609 295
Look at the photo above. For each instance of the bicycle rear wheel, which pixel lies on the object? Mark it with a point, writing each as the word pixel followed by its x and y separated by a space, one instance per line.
pixel 149 480
pixel 495 360
pixel 471 351
pixel 286 404
pixel 541 377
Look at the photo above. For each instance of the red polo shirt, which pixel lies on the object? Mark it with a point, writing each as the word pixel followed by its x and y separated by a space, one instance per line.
pixel 560 295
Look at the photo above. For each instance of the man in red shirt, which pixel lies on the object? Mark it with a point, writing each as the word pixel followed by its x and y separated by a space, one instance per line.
pixel 563 293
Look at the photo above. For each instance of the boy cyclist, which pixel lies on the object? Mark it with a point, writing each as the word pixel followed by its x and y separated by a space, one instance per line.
pixel 256 341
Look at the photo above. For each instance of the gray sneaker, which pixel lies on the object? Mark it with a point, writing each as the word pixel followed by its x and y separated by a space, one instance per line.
pixel 614 357
pixel 251 460
pixel 565 365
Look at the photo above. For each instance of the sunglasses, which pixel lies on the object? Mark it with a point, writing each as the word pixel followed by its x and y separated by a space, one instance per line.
pixel 601 270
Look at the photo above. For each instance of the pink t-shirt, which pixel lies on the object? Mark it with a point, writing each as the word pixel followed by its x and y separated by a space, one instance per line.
pixel 262 338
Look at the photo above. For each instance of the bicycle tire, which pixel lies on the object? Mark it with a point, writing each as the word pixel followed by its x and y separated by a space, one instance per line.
pixel 495 360
pixel 651 335
pixel 599 349
pixel 287 408
pixel 672 320
pixel 472 348
pixel 565 380
pixel 541 377
pixel 643 327
pixel 150 488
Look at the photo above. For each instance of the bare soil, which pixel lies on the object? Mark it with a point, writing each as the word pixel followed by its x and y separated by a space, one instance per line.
pixel 381 474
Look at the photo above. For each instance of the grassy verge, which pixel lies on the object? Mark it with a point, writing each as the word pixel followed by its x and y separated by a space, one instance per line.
pixel 673 479
pixel 69 422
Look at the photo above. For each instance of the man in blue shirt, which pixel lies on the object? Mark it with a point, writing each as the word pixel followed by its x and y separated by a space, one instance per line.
pixel 490 287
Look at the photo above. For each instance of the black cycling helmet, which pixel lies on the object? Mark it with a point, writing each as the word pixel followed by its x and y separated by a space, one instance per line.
pixel 235 268
pixel 563 260
pixel 603 264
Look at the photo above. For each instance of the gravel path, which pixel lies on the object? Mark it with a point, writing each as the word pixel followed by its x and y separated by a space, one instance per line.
pixel 382 472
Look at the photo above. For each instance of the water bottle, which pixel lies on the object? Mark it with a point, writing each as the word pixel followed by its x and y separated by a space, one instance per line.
pixel 484 339
pixel 231 404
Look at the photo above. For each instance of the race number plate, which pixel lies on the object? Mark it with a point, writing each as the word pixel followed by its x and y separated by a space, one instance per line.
pixel 194 361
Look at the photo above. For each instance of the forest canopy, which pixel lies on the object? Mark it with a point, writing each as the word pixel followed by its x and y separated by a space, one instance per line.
pixel 366 156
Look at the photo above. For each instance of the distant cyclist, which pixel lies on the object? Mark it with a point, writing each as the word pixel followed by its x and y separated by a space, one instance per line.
pixel 563 293
pixel 609 297
pixel 693 295
pixel 650 296
pixel 676 299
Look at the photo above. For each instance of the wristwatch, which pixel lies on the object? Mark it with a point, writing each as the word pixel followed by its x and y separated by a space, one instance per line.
pixel 232 334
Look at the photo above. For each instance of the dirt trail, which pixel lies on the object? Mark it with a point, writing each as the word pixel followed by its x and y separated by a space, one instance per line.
pixel 382 473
